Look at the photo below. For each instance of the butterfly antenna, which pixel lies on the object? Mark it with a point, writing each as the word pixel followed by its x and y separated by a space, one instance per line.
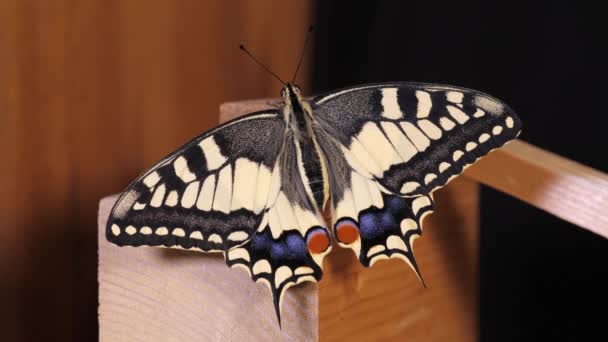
pixel 295 74
pixel 244 49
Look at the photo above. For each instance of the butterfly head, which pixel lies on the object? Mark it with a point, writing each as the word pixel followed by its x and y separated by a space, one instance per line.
pixel 291 93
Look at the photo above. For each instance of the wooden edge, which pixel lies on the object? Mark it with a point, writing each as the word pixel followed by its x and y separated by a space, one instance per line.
pixel 567 189
pixel 231 110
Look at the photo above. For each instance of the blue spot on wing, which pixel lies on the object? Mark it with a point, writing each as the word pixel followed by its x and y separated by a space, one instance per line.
pixel 296 246
pixel 369 227
pixel 395 204
pixel 260 242
pixel 387 221
pixel 278 251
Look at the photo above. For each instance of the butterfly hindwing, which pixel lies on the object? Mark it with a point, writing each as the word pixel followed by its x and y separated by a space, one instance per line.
pixel 413 138
pixel 209 195
pixel 292 240
pixel 377 225
pixel 280 262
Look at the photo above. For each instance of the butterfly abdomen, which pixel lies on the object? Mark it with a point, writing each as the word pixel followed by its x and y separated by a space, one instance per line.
pixel 314 174
pixel 310 160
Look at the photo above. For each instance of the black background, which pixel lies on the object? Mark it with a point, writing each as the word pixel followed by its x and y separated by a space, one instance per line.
pixel 541 278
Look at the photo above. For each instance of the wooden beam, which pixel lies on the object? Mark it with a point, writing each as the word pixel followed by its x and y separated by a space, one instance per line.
pixel 567 189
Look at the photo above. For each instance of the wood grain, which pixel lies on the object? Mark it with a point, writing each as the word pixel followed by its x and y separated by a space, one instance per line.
pixel 156 294
pixel 92 93
pixel 387 302
pixel 567 189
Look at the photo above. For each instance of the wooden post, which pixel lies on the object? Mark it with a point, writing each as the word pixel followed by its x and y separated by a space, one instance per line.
pixel 160 294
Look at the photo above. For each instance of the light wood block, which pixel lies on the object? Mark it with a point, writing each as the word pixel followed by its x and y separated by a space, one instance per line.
pixel 161 294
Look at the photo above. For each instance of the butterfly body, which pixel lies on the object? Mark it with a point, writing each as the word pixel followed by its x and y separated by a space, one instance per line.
pixel 255 188
pixel 299 119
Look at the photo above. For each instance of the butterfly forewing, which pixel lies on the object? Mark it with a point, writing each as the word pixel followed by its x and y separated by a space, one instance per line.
pixel 413 138
pixel 209 195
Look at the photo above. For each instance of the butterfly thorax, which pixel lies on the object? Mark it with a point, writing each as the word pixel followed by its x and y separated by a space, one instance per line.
pixel 298 117
pixel 296 112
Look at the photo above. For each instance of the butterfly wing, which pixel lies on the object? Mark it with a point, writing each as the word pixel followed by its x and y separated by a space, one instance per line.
pixel 413 138
pixel 209 195
pixel 236 190
pixel 391 146
pixel 293 239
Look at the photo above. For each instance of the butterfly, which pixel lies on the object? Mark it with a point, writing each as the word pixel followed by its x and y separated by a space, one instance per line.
pixel 255 187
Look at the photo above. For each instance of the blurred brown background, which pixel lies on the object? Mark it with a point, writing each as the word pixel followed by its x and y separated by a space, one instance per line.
pixel 91 93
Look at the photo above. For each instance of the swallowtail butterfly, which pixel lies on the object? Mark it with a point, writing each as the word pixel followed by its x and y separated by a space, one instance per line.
pixel 255 188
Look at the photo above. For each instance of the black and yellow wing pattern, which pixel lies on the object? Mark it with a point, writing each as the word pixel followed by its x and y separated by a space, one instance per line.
pixel 255 188
pixel 231 190
pixel 391 146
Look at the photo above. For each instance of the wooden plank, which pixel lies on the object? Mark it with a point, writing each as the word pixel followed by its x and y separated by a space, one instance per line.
pixel 387 302
pixel 157 294
pixel 567 189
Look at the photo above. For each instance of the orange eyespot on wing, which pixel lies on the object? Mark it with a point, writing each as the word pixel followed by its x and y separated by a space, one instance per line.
pixel 347 231
pixel 317 241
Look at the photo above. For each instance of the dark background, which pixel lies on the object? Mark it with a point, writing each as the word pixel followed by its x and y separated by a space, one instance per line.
pixel 541 278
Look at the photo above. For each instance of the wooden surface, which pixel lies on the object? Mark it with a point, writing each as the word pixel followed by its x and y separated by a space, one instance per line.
pixel 92 92
pixel 158 294
pixel 567 189
pixel 387 302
